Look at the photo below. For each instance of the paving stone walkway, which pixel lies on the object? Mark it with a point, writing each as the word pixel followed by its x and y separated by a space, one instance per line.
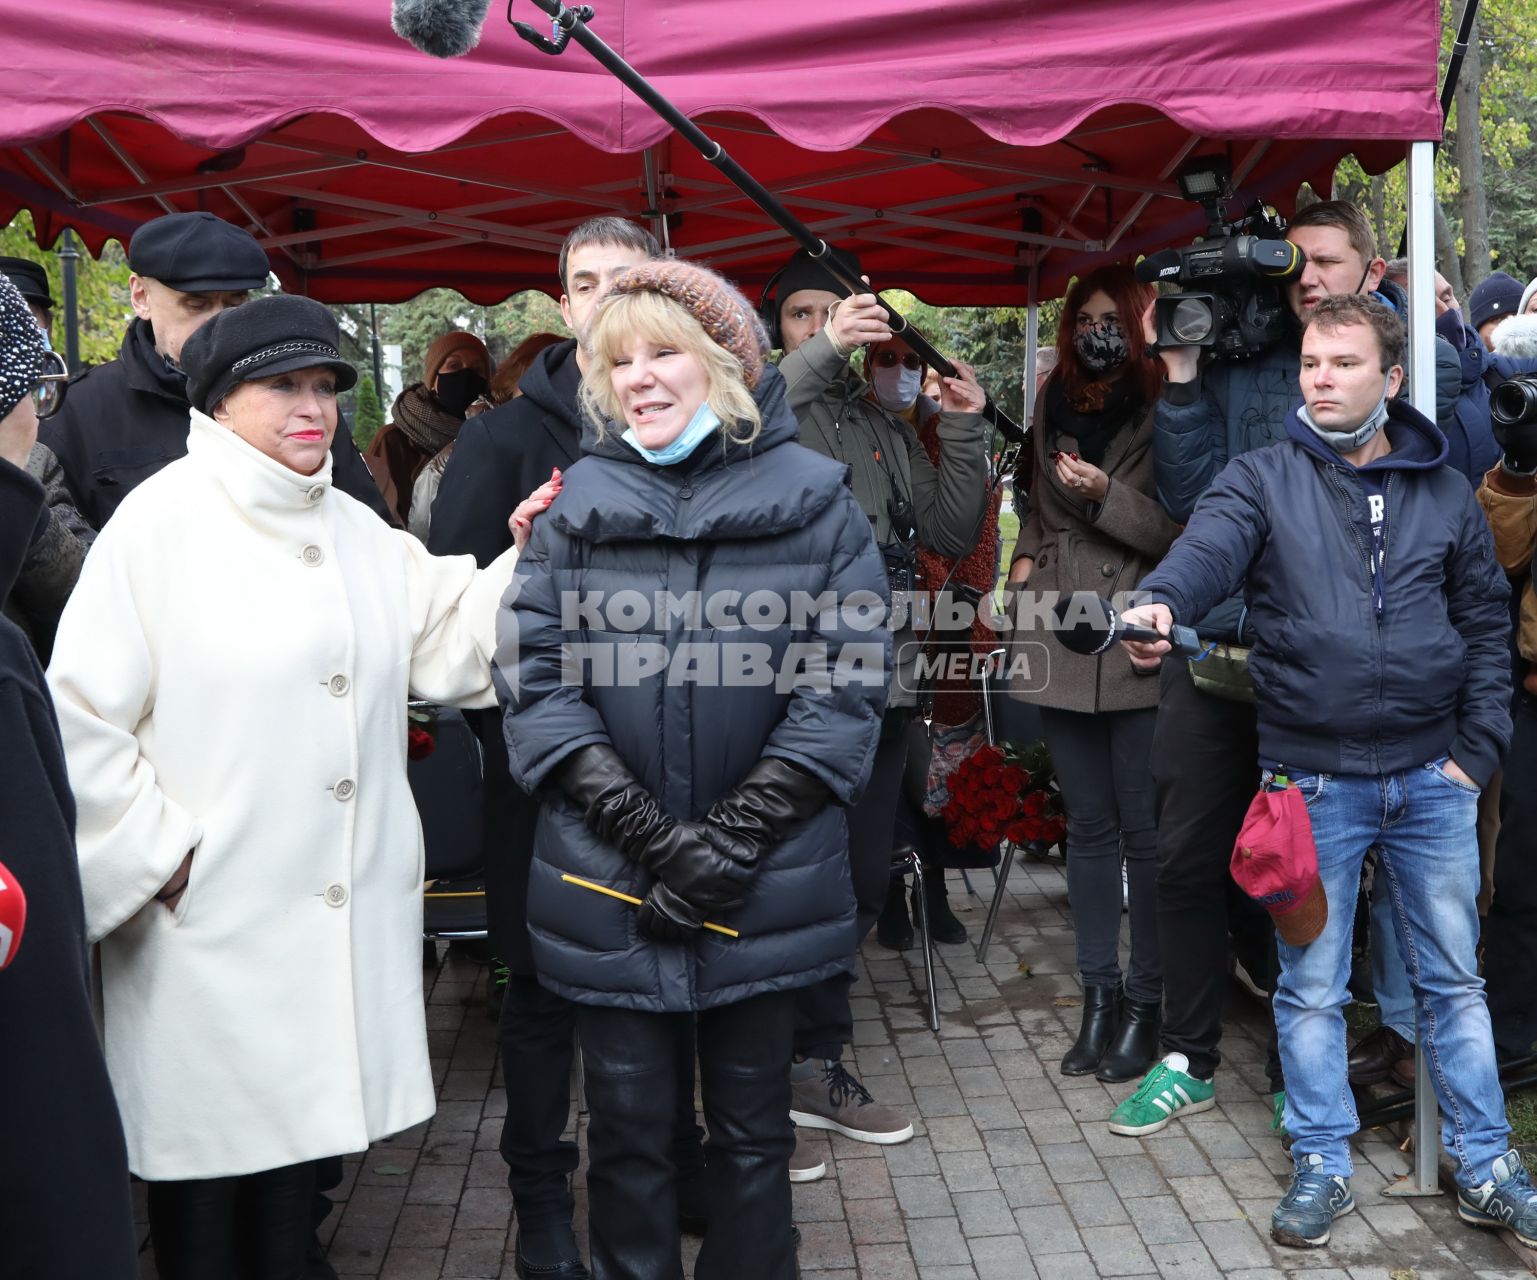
pixel 1013 1174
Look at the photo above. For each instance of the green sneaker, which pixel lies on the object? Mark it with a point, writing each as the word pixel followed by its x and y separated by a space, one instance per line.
pixel 1278 1120
pixel 1165 1092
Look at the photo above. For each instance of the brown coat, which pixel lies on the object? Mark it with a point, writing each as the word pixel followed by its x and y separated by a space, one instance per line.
pixel 1078 545
pixel 1510 505
pixel 395 462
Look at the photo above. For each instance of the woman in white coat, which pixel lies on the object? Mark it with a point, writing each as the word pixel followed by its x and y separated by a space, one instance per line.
pixel 232 675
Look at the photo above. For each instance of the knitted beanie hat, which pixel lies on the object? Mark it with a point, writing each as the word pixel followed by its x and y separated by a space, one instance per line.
pixel 467 344
pixel 21 348
pixel 712 300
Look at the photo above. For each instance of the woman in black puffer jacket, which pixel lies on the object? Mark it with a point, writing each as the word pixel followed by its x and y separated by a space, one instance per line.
pixel 697 559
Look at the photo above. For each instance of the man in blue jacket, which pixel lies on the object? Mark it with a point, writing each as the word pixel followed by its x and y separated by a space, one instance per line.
pixel 1205 732
pixel 1382 685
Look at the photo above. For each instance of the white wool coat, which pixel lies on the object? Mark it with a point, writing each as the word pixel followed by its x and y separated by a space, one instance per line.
pixel 231 677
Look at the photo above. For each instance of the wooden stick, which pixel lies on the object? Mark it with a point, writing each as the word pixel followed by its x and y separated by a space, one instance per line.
pixel 635 902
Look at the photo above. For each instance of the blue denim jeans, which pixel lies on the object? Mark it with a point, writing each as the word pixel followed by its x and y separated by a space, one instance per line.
pixel 1390 980
pixel 1424 824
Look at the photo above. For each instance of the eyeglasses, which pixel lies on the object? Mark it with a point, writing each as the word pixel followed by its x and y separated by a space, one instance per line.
pixel 888 359
pixel 49 387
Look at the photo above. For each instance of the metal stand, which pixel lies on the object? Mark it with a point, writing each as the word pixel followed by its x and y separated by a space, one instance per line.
pixel 905 861
pixel 1424 1179
pixel 1005 863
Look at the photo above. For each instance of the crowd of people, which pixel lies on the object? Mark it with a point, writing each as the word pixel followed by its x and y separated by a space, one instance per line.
pixel 677 585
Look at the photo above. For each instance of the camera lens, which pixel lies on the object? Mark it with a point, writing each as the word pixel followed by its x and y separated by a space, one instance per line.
pixel 1514 402
pixel 1191 322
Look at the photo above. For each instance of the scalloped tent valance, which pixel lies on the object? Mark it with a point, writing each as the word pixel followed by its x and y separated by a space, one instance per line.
pixel 958 147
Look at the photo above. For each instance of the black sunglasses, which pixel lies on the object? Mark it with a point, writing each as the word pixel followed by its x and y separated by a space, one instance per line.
pixel 886 359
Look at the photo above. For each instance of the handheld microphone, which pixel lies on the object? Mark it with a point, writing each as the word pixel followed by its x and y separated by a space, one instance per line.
pixel 13 915
pixel 443 28
pixel 1156 266
pixel 1088 624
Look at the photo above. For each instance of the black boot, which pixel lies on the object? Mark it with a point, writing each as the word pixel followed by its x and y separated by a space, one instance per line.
pixel 1101 1014
pixel 943 926
pixel 894 930
pixel 1135 1045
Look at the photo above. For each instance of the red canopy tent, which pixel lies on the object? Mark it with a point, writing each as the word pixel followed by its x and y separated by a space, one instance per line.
pixel 960 148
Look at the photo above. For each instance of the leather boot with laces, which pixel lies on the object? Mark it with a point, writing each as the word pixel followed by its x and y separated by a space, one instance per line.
pixel 823 1095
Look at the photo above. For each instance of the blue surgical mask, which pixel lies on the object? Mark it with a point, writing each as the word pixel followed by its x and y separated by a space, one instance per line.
pixel 701 427
pixel 1350 441
pixel 896 386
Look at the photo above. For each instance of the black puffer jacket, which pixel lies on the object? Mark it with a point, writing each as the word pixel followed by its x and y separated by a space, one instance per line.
pixel 1343 685
pixel 124 420
pixel 772 518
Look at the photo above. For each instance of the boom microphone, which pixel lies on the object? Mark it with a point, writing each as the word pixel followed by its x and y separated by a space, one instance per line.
pixel 443 28
pixel 1088 624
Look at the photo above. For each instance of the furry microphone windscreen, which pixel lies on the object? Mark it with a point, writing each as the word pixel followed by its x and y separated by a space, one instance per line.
pixel 1516 336
pixel 443 28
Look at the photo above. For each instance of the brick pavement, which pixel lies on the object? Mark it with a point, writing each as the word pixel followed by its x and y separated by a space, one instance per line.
pixel 1012 1176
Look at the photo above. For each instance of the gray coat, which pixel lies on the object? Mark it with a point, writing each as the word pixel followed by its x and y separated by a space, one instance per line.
pixel 886 460
pixel 53 560
pixel 771 518
pixel 1078 545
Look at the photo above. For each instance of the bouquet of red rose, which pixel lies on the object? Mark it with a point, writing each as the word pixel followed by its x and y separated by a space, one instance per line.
pixel 1005 793
pixel 421 730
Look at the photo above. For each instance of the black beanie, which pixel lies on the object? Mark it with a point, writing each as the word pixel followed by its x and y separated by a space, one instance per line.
pixel 21 348
pixel 803 271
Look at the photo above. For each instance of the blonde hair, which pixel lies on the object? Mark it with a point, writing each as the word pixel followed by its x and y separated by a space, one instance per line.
pixel 657 318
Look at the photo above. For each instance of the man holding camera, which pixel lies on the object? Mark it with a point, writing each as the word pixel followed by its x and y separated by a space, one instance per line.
pixel 1382 684
pixel 1204 744
pixel 908 499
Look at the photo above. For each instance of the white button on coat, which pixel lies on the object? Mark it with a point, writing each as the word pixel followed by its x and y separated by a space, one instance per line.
pixel 338 684
pixel 313 555
pixel 344 789
pixel 336 895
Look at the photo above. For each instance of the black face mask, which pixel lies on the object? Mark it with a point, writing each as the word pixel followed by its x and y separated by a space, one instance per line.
pixel 457 391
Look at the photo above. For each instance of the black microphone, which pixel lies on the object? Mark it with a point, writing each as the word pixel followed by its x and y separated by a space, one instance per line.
pixel 1156 266
pixel 443 28
pixel 1088 624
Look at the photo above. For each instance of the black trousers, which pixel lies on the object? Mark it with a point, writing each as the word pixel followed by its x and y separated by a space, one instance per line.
pixel 254 1227
pixel 536 1034
pixel 823 1023
pixel 1510 929
pixel 632 1061
pixel 1206 770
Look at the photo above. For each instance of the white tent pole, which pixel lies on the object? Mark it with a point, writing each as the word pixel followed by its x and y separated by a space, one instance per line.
pixel 1422 393
pixel 1422 278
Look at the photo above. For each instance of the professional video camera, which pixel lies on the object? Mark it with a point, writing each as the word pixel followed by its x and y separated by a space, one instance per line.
pixel 1241 265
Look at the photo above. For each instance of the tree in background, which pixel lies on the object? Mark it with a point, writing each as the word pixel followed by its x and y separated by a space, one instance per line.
pixel 102 285
pixel 367 412
pixel 1486 205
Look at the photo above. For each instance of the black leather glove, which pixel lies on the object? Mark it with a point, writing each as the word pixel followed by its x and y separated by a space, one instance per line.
pixel 621 811
pixel 752 818
pixel 1519 442
pixel 666 916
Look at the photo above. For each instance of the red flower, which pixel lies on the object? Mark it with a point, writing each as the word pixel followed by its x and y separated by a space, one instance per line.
pixel 419 743
pixel 1034 804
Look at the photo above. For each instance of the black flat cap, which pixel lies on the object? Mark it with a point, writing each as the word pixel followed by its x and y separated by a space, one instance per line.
pixel 266 336
pixel 198 253
pixel 30 279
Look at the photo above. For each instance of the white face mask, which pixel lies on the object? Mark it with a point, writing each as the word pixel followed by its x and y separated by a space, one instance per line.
pixel 896 386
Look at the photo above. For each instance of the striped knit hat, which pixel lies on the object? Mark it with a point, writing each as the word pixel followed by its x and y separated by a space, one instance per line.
pixel 723 313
